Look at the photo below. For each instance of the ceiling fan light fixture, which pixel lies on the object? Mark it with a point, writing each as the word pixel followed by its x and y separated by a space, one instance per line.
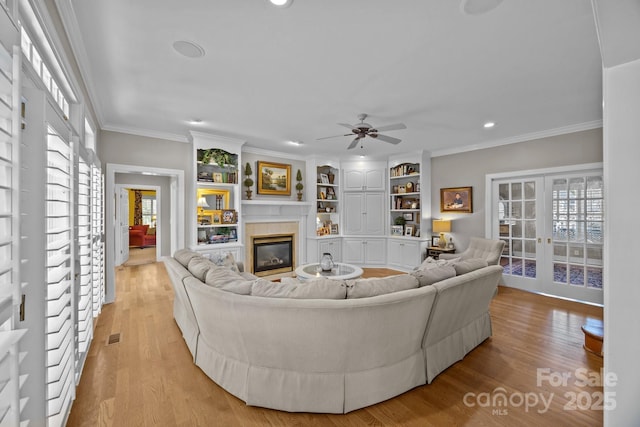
pixel 281 3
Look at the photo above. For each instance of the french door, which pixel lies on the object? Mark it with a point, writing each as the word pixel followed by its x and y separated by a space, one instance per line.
pixel 552 225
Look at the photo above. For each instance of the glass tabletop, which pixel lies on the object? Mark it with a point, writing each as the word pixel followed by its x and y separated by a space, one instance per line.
pixel 337 270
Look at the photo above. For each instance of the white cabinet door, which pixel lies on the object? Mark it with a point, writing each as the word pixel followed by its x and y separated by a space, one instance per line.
pixel 364 213
pixel 374 252
pixel 364 180
pixel 353 213
pixel 374 213
pixel 374 180
pixel 353 180
pixel 404 253
pixel 364 251
pixel 353 251
pixel 331 246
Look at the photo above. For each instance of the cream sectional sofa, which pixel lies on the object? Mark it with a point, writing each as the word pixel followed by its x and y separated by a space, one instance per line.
pixel 327 346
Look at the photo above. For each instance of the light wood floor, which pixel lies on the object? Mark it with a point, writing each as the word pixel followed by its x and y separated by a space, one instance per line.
pixel 138 256
pixel 148 378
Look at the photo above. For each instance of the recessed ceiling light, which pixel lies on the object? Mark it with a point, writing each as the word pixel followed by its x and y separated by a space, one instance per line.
pixel 296 142
pixel 281 3
pixel 489 125
pixel 478 7
pixel 195 122
pixel 188 49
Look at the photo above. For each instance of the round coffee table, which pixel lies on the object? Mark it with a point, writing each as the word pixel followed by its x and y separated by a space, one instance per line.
pixel 339 271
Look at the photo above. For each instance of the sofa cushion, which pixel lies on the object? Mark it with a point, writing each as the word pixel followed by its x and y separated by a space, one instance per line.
pixel 227 280
pixel 199 266
pixel 429 263
pixel 226 260
pixel 362 288
pixel 247 275
pixel 183 256
pixel 435 274
pixel 321 288
pixel 467 265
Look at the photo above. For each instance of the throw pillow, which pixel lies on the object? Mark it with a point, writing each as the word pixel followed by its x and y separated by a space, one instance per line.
pixel 321 288
pixel 151 231
pixel 227 280
pixel 363 288
pixel 199 266
pixel 432 275
pixel 468 265
pixel 265 288
pixel 226 260
pixel 183 256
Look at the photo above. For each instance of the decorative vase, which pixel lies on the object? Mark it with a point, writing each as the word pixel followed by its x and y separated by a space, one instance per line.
pixel 331 177
pixel 326 262
pixel 249 194
pixel 299 197
pixel 442 241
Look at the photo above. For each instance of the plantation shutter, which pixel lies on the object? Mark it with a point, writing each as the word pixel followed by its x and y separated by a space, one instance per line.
pixel 10 288
pixel 97 231
pixel 84 321
pixel 59 313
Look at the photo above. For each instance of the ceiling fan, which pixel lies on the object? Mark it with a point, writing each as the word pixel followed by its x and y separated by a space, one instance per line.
pixel 362 130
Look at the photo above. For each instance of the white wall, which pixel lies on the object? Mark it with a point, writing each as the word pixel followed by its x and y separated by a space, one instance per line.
pixel 470 168
pixel 622 294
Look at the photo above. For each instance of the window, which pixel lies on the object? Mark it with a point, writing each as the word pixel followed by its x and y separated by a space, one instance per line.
pixel 149 211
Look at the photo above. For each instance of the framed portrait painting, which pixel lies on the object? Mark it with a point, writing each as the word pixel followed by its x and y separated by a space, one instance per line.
pixel 274 178
pixel 458 199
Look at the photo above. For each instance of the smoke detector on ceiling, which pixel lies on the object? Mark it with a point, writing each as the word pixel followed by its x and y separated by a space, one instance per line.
pixel 188 49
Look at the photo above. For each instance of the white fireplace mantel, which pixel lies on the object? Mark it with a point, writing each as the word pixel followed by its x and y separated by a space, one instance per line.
pixel 277 213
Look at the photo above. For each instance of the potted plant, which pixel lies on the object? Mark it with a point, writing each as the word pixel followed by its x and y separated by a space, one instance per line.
pixel 248 181
pixel 299 185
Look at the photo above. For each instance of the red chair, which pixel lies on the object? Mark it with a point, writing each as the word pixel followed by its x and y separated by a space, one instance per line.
pixel 138 236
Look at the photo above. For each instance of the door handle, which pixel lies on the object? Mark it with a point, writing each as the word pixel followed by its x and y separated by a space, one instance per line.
pixel 548 239
pixel 539 239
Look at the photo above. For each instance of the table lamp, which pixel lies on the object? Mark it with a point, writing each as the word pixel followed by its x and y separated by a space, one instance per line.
pixel 441 226
pixel 202 203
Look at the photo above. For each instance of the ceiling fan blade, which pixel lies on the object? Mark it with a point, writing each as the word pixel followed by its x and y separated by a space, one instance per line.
pixel 386 138
pixel 346 125
pixel 397 126
pixel 353 143
pixel 334 136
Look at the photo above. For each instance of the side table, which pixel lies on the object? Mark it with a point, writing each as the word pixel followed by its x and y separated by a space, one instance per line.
pixel 435 251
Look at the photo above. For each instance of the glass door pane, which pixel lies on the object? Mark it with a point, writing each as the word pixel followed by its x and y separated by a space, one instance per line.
pixel 517 223
pixel 577 225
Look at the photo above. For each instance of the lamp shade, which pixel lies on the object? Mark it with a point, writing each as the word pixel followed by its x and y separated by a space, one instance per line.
pixel 441 226
pixel 202 202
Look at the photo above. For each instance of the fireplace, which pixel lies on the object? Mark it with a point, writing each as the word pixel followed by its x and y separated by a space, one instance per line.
pixel 273 254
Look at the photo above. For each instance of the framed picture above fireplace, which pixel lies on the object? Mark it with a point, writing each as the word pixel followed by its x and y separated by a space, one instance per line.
pixel 274 178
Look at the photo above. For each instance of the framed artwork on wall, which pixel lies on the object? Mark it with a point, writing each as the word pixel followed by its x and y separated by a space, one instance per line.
pixel 274 179
pixel 457 199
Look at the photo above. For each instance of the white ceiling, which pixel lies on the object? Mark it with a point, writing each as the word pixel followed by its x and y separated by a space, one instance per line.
pixel 271 75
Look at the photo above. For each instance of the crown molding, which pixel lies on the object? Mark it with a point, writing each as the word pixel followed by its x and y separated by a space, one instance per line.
pixel 271 153
pixel 147 133
pixel 520 138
